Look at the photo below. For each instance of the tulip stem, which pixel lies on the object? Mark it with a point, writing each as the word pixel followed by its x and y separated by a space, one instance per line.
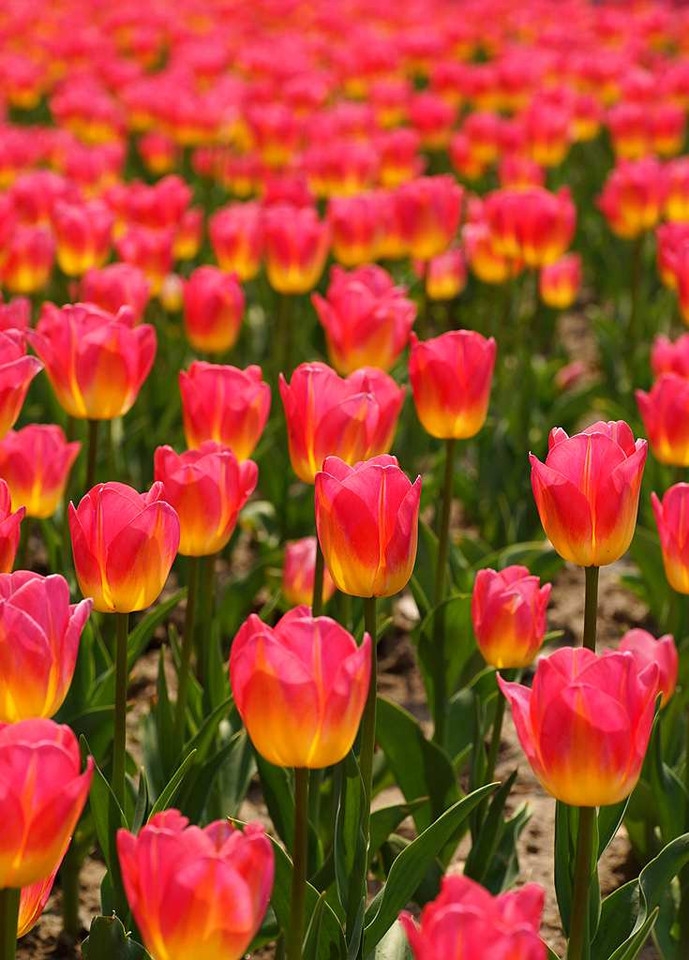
pixel 9 920
pixel 187 647
pixel 69 882
pixel 92 454
pixel 684 872
pixel 494 748
pixel 368 726
pixel 120 741
pixel 299 860
pixel 578 932
pixel 439 678
pixel 318 575
pixel 591 608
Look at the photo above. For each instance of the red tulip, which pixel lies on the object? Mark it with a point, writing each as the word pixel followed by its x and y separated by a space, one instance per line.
pixel 665 413
pixel 196 891
pixel 430 209
pixel 669 357
pixel 296 248
pixel 237 237
pixel 83 234
pixel 508 611
pixel 646 649
pixel 298 571
pixel 16 373
pixel 115 286
pixel 633 196
pixel 559 283
pixel 124 544
pixel 213 310
pixel 33 900
pixel 356 228
pixel 9 529
pixel 534 226
pixel 672 519
pixel 445 276
pixel 587 491
pixel 585 723
pixel 27 259
pixel 35 463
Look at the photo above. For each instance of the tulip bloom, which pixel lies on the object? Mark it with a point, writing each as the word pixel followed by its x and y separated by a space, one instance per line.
pixel 559 282
pixel 43 796
pixel 646 649
pixel 465 920
pixel 296 247
pixel 534 226
pixel 508 611
pixel 672 520
pixel 430 209
pixel 207 488
pixel 35 463
pixel 124 544
pixel 665 413
pixel 327 414
pixel 39 642
pixel 196 891
pixel 451 377
pixel 96 362
pixel 585 723
pixel 9 529
pixel 298 570
pixel 587 491
pixel 633 196
pixel 669 357
pixel 445 276
pixel 16 373
pixel 33 900
pixel 300 687
pixel 236 235
pixel 224 404
pixel 367 520
pixel 83 234
pixel 27 259
pixel 366 318
pixel 356 228
pixel 115 286
pixel 213 310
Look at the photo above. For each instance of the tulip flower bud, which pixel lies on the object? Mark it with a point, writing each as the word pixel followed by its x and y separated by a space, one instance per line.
pixel 297 245
pixel 646 649
pixel 559 282
pixel 124 544
pixel 27 260
pixel 430 209
pixel 35 463
pixel 236 235
pixel 465 920
pixel 16 373
pixel 633 196
pixel 300 687
pixel 665 413
pixel 356 228
pixel 445 276
pixel 508 611
pixel 534 225
pixel 672 520
pixel 367 520
pixel 43 796
pixel 451 377
pixel 585 723
pixel 193 891
pixel 83 234
pixel 587 491
pixel 213 310
pixel 298 570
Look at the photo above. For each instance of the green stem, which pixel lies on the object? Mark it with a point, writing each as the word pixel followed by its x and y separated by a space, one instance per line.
pixel 121 677
pixel 494 748
pixel 439 673
pixel 204 616
pixel 582 884
pixel 195 564
pixel 635 289
pixel 9 918
pixel 423 313
pixel 284 334
pixel 69 883
pixel 318 575
pixel 591 608
pixel 92 454
pixel 684 873
pixel 299 860
pixel 368 724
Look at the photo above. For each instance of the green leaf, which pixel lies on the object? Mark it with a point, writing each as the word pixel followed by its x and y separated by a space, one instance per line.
pixel 480 859
pixel 141 635
pixel 169 792
pixel 108 940
pixel 141 807
pixel 394 945
pixel 279 798
pixel 609 820
pixel 409 868
pixel 385 821
pixel 107 814
pixel 350 851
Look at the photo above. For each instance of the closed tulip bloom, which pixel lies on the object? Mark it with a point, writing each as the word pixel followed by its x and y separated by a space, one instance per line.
pixel 585 723
pixel 665 413
pixel 83 234
pixel 35 463
pixel 296 247
pixel 96 362
pixel 213 310
pixel 33 900
pixel 367 519
pixel 633 196
pixel 16 373
pixel 124 544
pixel 366 318
pixel 27 260
pixel 483 257
pixel 587 491
pixel 465 920
pixel 672 520
pixel 451 377
pixel 445 276
pixel 298 570
pixel 669 357
pixel 9 529
pixel 150 250
pixel 559 282
pixel 508 611
pixel 42 795
pixel 534 226
pixel 646 649
pixel 430 209
pixel 237 237
pixel 390 399
pixel 224 404
pixel 300 687
pixel 207 488
pixel 115 286
pixel 39 642
pixel 196 891
pixel 356 228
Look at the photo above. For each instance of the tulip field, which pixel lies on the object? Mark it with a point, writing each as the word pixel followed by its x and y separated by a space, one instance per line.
pixel 344 480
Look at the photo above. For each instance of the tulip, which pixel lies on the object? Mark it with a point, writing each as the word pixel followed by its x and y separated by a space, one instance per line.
pixel 676 207
pixel 196 891
pixel 433 119
pixel 389 397
pixel 300 687
pixel 117 285
pixel 445 276
pixel 83 234
pixel 39 642
pixel 16 314
pixel 124 543
pixel 32 901
pixel 633 197
pixel 299 570
pixel 669 357
pixel 342 168
pixel 534 226
pixel 207 487
pixel 327 414
pixel 356 227
pixel 430 209
pixel 367 521
pixel 587 491
pixel 508 611
pixel 188 235
pixel 671 260
pixel 399 158
pixel 43 796
pixel 518 172
pixel 27 259
pixel 213 310
pixel 465 920
pixel 483 257
pixel 664 413
pixel 646 649
pixel 9 529
pixel 16 373
pixel 96 362
pixel 149 250
pixel 237 237
pixel 672 520
pixel 585 723
pixel 451 377
pixel 366 318
pixel 224 404
pixel 559 282
pixel 35 463
pixel 296 248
